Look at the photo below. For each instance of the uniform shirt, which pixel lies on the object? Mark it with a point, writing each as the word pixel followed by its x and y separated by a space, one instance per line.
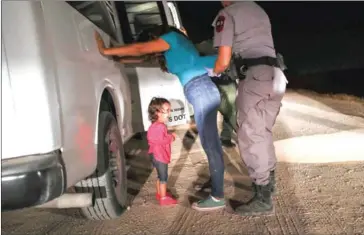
pixel 246 28
pixel 182 58
pixel 159 141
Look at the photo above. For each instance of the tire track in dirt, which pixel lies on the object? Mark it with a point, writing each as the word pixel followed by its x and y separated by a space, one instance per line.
pixel 44 228
pixel 279 216
pixel 184 219
pixel 138 223
pixel 98 228
pixel 59 225
pixel 265 223
pixel 179 221
pixel 15 230
pixel 10 227
pixel 70 227
pixel 290 215
pixel 290 218
pixel 326 214
pixel 331 219
pixel 290 211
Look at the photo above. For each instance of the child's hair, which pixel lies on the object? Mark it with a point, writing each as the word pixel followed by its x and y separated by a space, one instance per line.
pixel 155 106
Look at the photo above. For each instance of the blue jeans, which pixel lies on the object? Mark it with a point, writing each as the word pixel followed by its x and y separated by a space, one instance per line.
pixel 204 96
pixel 162 169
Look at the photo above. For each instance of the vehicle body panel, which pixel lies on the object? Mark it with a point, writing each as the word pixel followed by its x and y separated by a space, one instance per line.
pixel 54 79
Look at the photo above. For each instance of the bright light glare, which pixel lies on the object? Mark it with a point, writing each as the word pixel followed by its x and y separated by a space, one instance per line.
pixel 173 10
pixel 9 178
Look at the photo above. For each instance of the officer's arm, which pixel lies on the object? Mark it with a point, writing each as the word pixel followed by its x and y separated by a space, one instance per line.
pixel 223 59
pixel 223 39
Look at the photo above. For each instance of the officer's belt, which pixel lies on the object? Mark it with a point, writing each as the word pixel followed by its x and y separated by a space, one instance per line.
pixel 244 64
pixel 250 62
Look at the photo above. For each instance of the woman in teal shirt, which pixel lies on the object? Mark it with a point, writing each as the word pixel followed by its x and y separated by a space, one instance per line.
pixel 176 54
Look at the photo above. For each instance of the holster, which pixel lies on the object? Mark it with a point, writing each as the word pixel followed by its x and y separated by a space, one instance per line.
pixel 224 79
pixel 242 65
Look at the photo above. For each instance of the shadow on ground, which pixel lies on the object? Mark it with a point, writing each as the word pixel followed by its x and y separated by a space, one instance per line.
pixel 140 165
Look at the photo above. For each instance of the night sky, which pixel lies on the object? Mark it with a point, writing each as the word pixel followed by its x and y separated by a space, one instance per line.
pixel 286 17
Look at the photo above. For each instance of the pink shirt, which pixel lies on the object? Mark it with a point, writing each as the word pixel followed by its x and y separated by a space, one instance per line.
pixel 159 141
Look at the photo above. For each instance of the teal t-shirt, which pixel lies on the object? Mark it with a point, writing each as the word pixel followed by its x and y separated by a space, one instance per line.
pixel 183 59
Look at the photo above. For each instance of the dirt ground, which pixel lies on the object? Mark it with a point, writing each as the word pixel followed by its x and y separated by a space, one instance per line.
pixel 317 194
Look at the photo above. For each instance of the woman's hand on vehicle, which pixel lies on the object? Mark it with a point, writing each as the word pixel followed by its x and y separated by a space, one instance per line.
pixel 100 43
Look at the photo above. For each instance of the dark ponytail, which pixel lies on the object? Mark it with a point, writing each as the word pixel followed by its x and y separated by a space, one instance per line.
pixel 154 33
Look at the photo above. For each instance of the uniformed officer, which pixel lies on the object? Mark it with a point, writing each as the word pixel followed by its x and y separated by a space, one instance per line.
pixel 243 29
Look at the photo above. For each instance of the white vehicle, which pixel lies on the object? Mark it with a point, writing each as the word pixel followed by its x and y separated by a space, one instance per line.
pixel 67 110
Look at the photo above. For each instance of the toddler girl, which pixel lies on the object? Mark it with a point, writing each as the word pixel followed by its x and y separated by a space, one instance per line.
pixel 159 141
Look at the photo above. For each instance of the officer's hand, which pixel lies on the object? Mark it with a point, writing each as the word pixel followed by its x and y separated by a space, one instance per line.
pixel 211 73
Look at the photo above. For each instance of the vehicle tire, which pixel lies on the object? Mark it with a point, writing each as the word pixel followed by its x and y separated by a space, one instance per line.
pixel 109 181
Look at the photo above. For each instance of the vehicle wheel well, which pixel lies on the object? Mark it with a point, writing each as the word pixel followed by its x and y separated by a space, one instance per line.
pixel 107 103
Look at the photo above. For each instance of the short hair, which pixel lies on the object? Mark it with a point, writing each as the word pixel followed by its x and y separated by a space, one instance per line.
pixel 155 106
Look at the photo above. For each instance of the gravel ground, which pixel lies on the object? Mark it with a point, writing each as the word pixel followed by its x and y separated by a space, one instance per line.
pixel 316 195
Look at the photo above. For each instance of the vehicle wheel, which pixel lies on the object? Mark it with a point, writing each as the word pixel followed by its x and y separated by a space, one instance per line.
pixel 109 181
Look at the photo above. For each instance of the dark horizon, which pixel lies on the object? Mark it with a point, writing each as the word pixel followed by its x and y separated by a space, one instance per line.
pixel 286 17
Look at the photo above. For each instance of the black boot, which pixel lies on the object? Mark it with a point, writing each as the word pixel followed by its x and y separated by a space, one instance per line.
pixel 260 204
pixel 272 182
pixel 227 143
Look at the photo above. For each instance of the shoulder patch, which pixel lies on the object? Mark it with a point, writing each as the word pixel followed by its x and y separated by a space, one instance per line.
pixel 220 23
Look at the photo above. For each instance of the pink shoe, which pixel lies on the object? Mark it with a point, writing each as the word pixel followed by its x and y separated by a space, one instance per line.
pixel 158 197
pixel 167 200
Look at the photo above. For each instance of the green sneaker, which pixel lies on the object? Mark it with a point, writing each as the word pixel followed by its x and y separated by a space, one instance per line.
pixel 209 204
